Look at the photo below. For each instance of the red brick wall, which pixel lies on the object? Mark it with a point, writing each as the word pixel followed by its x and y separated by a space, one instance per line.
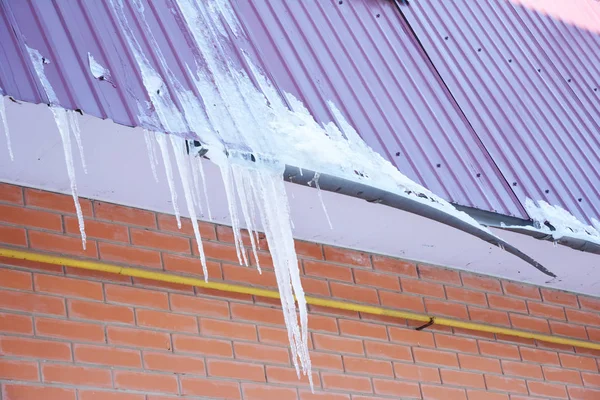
pixel 70 334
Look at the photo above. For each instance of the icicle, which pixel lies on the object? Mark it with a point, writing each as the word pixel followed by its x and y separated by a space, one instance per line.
pixel 195 178
pixel 5 126
pixel 63 122
pixel 316 179
pixel 74 127
pixel 148 137
pixel 203 178
pixel 184 174
pixel 231 204
pixel 164 150
pixel 247 205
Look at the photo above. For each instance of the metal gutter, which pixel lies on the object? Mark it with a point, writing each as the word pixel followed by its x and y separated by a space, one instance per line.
pixel 340 305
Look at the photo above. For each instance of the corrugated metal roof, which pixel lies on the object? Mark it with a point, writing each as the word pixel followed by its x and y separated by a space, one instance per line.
pixel 509 123
pixel 525 80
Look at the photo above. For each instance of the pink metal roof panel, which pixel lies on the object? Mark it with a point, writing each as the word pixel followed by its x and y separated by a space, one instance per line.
pixel 526 82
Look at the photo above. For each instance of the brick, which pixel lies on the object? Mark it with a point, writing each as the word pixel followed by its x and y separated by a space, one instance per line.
pixel 199 305
pixel 204 346
pixel 485 395
pixel 31 265
pixel 308 249
pixel 589 303
pixel 169 223
pixel 547 389
pixel 423 288
pixel 105 395
pixel 529 323
pixel 411 337
pixel 521 290
pixel 100 312
pixel 439 274
pixel 318 287
pixel 546 310
pixel 387 350
pixel 136 296
pixel 462 378
pixel 76 375
pixel 288 376
pixel 146 382
pixel 370 278
pixel 367 366
pixel 35 348
pixel 130 255
pixel 160 241
pixel 583 317
pixel 69 329
pixel 594 334
pixel 394 388
pixel 261 392
pixel 562 375
pixel 57 243
pixel 466 296
pixel 489 316
pixel 11 193
pixel 459 344
pixel 329 271
pixel 558 297
pixel 57 202
pixel 576 393
pixel 13 236
pixel 354 293
pixel 138 338
pixel 236 370
pixel 166 320
pixel 346 382
pixel 256 313
pixel 478 363
pixel 97 275
pixel 322 323
pixel 442 393
pixel 402 301
pixel 260 352
pixel 326 361
pixel 539 356
pixel 413 372
pixel 337 344
pixel 248 276
pixel 502 383
pixel 124 214
pixel 522 370
pixel 228 329
pixel 174 363
pixel 578 362
pixel 428 356
pixel 191 265
pixel 19 370
pixel 68 286
pixel 394 265
pixel 347 256
pixel 506 303
pixel 30 218
pixel 210 388
pixel 270 335
pixel 13 323
pixel 479 282
pixel 225 234
pixel 98 229
pixel 15 279
pixel 110 356
pixel 500 350
pixel 446 309
pixel 363 329
pixel 220 251
pixel 23 392
pixel 569 330
pixel 590 379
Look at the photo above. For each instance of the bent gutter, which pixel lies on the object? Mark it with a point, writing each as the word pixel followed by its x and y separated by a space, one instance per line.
pixel 373 195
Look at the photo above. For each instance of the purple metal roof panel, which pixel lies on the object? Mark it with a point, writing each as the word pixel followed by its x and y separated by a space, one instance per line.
pixel 525 81
pixel 359 54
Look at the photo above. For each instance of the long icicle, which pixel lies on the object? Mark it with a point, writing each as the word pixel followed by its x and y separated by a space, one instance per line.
pixel 164 150
pixel 246 204
pixel 74 128
pixel 151 150
pixel 184 173
pixel 231 204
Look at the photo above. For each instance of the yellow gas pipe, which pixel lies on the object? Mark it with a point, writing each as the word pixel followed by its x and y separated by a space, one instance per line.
pixel 225 287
